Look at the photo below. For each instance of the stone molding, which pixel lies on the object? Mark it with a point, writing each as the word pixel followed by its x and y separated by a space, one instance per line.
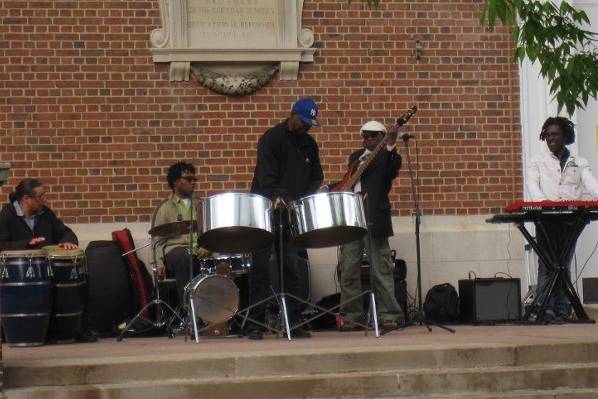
pixel 288 46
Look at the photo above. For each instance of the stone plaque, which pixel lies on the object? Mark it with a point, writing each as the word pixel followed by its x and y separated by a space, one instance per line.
pixel 232 46
pixel 232 23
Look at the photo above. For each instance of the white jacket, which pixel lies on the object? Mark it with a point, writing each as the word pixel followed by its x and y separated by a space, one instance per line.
pixel 546 181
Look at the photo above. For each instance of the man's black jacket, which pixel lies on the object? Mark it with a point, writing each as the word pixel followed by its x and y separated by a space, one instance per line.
pixel 288 164
pixel 376 182
pixel 15 234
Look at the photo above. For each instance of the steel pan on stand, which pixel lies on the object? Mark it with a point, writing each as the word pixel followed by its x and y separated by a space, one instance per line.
pixel 327 219
pixel 235 223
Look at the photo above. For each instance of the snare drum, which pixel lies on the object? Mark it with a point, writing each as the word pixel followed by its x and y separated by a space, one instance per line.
pixel 213 298
pixel 68 284
pixel 237 265
pixel 26 296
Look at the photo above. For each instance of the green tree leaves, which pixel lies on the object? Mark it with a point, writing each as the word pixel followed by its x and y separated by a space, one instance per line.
pixel 554 37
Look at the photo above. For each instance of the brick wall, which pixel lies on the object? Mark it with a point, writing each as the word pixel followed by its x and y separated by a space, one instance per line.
pixel 83 106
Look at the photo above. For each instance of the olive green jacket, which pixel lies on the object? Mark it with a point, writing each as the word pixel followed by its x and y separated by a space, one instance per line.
pixel 168 212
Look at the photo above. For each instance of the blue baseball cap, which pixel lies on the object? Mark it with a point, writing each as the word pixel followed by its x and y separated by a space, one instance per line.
pixel 307 110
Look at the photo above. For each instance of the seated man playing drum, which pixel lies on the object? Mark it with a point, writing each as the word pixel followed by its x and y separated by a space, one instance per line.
pixel 26 222
pixel 174 250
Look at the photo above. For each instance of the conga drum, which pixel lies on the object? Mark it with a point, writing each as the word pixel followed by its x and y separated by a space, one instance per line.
pixel 26 295
pixel 68 286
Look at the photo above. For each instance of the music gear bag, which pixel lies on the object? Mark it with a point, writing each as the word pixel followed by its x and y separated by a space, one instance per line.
pixel 109 299
pixel 442 304
pixel 141 281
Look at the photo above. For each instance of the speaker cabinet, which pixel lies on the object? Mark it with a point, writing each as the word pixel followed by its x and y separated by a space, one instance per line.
pixel 490 300
pixel 589 286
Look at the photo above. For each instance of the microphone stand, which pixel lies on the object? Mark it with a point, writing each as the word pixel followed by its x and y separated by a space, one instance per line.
pixel 420 316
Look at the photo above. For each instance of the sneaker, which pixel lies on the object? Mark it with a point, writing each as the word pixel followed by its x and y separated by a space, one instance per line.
pixel 349 326
pixel 299 332
pixel 255 334
pixel 389 325
pixel 88 336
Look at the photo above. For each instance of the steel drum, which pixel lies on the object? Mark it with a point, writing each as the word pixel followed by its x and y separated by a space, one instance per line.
pixel 235 223
pixel 327 219
pixel 26 296
pixel 213 298
pixel 68 284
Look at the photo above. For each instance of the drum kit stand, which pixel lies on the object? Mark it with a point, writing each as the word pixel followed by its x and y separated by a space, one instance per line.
pixel 165 230
pixel 243 223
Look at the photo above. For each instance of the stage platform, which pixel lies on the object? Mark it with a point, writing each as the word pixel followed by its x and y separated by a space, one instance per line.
pixel 503 361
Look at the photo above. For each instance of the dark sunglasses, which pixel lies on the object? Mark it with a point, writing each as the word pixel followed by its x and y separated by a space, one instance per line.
pixel 369 135
pixel 189 178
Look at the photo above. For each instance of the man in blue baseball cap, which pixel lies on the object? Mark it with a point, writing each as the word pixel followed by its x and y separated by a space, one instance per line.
pixel 307 110
pixel 288 168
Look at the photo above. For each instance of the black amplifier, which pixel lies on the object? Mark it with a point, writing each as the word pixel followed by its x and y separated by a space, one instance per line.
pixel 490 300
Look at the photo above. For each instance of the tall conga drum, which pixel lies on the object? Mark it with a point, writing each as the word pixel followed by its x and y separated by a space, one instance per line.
pixel 68 286
pixel 26 295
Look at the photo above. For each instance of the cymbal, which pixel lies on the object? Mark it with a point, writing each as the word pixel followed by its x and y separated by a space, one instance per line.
pixel 173 229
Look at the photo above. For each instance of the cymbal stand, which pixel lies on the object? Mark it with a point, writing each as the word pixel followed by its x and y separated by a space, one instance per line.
pixel 156 301
pixel 187 324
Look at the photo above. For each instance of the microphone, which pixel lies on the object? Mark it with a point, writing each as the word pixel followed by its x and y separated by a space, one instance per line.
pixel 406 136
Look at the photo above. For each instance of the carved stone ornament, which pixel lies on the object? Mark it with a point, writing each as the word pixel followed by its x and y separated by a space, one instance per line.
pixel 233 47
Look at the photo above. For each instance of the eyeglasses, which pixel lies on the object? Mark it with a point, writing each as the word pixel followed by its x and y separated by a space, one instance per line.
pixel 189 178
pixel 39 197
pixel 369 135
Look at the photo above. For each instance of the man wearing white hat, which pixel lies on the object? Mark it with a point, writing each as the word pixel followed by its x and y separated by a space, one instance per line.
pixel 374 184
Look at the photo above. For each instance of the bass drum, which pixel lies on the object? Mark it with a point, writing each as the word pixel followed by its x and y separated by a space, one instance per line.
pixel 235 223
pixel 213 298
pixel 327 219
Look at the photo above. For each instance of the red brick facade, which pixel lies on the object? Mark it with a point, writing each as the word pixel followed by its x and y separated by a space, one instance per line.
pixel 83 106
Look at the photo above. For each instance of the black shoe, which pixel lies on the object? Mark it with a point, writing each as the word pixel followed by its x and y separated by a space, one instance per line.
pixel 255 334
pixel 299 332
pixel 88 336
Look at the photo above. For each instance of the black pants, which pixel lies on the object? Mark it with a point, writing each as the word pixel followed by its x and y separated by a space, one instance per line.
pixel 266 263
pixel 178 263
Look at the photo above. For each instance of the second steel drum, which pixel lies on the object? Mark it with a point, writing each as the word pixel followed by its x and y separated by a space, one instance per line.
pixel 327 219
pixel 235 223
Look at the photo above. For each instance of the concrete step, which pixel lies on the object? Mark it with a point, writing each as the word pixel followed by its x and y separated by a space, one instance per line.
pixel 572 393
pixel 196 366
pixel 456 382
